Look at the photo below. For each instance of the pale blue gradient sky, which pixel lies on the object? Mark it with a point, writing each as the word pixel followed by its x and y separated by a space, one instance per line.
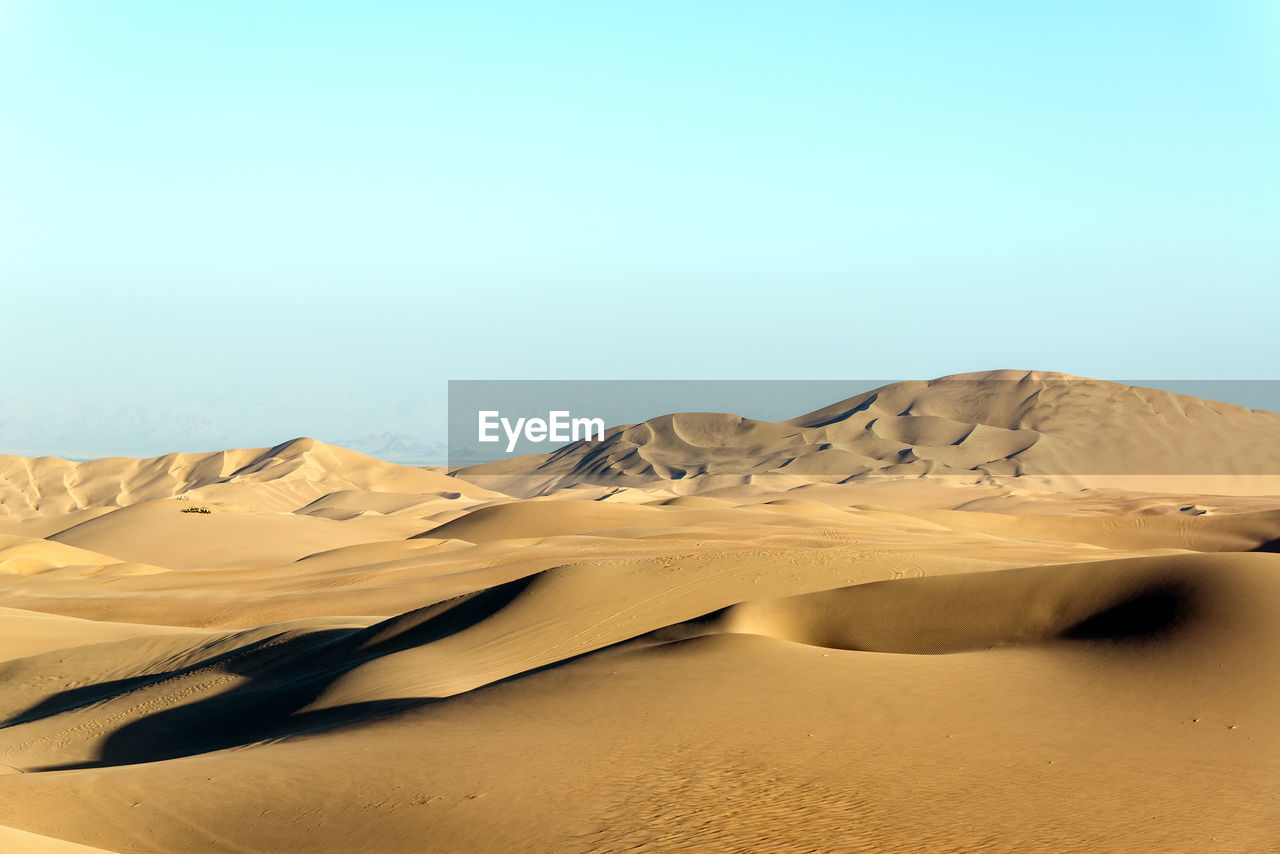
pixel 235 222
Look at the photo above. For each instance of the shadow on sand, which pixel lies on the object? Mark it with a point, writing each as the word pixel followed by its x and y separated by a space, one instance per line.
pixel 282 675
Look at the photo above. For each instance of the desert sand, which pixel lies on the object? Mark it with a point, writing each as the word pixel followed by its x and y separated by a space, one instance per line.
pixel 1045 620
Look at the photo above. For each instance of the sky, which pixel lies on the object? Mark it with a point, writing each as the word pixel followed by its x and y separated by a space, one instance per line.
pixel 231 223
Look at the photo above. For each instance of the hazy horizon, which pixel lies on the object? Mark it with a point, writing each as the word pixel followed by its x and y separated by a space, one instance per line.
pixel 772 400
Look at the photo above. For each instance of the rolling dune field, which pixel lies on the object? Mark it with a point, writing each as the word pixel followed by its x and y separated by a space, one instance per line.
pixel 909 622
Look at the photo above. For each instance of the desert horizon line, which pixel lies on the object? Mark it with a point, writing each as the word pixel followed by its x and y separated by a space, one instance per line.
pixel 433 446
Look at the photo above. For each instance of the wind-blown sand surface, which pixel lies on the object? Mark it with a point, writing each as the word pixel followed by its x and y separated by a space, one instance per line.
pixel 347 655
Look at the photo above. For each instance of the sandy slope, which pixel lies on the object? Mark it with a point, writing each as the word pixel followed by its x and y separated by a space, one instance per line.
pixel 12 839
pixel 347 656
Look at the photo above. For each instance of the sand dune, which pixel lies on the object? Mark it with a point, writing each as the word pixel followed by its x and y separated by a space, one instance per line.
pixel 159 532
pixel 285 477
pixel 986 425
pixel 1137 602
pixel 345 655
pixel 29 633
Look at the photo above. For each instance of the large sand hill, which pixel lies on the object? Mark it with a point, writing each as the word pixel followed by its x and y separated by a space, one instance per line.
pixel 975 645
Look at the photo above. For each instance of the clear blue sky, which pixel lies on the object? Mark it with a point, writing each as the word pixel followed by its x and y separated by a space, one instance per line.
pixel 235 222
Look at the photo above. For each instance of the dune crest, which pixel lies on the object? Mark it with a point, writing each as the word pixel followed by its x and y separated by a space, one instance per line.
pixel 299 471
pixel 995 424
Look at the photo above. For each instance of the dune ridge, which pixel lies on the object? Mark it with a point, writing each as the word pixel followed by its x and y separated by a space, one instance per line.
pixel 294 473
